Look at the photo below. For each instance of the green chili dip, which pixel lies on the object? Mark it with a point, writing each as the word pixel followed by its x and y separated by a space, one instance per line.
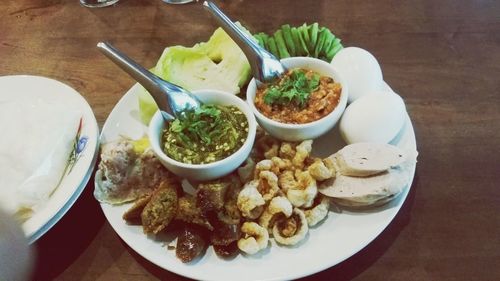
pixel 208 134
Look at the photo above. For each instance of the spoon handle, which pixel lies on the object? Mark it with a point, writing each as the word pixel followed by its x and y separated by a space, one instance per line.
pixel 153 84
pixel 265 66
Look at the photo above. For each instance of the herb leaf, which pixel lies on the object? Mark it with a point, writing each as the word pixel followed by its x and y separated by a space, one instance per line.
pixel 294 88
pixel 206 134
pixel 198 125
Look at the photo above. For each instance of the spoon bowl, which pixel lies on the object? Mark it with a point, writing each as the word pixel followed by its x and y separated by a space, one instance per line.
pixel 266 68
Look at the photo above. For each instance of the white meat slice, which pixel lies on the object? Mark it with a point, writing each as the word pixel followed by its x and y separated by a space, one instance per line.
pixel 364 191
pixel 366 159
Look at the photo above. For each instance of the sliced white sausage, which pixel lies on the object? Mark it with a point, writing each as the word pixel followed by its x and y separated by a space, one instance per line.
pixel 366 159
pixel 364 191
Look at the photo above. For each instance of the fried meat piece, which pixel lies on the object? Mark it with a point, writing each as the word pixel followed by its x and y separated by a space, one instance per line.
pixel 217 199
pixel 187 211
pixel 125 174
pixel 225 234
pixel 210 195
pixel 191 243
pixel 227 251
pixel 133 214
pixel 230 214
pixel 162 207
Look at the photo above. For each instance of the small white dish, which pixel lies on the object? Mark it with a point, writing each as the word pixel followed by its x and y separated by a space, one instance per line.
pixel 212 170
pixel 86 144
pixel 312 130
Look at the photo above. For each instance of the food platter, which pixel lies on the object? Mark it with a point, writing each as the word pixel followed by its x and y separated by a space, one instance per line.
pixel 340 236
pixel 75 180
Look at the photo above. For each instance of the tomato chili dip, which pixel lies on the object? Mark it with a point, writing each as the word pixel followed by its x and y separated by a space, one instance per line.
pixel 300 96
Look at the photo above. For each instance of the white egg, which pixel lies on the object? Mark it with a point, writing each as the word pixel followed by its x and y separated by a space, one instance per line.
pixel 373 118
pixel 360 70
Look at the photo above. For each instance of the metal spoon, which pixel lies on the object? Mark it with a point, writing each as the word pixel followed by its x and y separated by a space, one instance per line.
pixel 171 99
pixel 265 66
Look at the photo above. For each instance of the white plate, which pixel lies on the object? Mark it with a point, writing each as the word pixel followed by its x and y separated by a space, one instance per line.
pixel 340 236
pixel 72 184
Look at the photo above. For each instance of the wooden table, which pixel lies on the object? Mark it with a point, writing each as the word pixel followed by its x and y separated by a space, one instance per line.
pixel 443 57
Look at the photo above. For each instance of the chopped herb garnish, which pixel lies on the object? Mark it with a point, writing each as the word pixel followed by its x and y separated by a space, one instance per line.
pixel 293 88
pixel 205 135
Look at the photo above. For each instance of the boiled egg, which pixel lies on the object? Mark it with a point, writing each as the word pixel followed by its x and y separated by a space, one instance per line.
pixel 360 70
pixel 375 117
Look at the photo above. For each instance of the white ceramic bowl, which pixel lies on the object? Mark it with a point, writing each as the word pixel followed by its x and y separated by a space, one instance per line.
pixel 200 172
pixel 312 130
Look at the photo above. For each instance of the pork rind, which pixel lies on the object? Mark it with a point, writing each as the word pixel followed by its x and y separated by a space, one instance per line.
pixel 322 170
pixel 268 185
pixel 302 152
pixel 318 211
pixel 282 191
pixel 250 202
pixel 292 230
pixel 267 146
pixel 304 191
pixel 279 206
pixel 255 238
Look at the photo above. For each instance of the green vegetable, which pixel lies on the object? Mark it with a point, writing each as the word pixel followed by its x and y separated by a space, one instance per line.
pixel 147 106
pixel 305 40
pixel 260 39
pixel 280 43
pixel 294 88
pixel 299 50
pixel 320 43
pixel 206 135
pixel 304 30
pixel 329 37
pixel 287 35
pixel 217 64
pixel 333 50
pixel 271 43
pixel 313 34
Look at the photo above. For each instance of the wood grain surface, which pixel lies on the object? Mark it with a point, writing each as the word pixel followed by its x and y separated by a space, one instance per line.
pixel 442 57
